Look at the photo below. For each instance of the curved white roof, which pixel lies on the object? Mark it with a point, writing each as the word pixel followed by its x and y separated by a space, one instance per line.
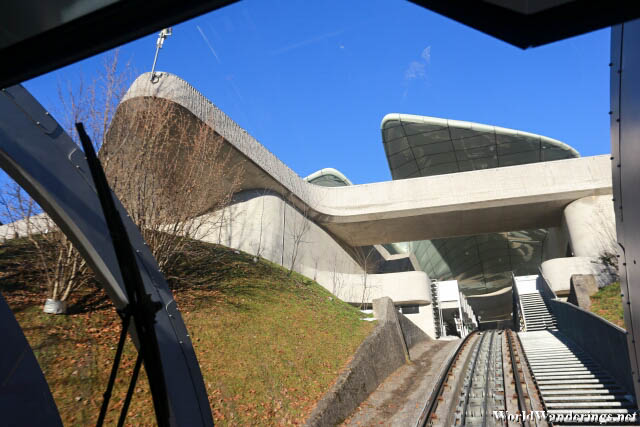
pixel 329 173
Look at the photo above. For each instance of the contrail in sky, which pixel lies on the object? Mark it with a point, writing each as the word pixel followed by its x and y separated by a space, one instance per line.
pixel 306 42
pixel 206 40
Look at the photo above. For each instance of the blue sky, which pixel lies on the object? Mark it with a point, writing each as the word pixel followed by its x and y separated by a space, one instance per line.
pixel 312 80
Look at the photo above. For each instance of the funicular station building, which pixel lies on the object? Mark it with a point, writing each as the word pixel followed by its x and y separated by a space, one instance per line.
pixel 470 203
pixel 470 207
pixel 489 210
pixel 481 228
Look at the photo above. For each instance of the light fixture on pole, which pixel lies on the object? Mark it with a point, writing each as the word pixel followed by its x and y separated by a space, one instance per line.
pixel 166 32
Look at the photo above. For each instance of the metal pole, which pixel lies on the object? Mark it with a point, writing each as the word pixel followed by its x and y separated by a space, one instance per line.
pixel 166 32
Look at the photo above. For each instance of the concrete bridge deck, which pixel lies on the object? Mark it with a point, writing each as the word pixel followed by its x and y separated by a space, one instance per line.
pixel 468 203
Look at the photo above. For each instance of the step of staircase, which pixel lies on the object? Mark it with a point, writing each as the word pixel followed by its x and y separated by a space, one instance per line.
pixel 569 380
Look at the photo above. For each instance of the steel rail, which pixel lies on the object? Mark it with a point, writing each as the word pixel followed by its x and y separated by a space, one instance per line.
pixel 486 381
pixel 470 384
pixel 500 362
pixel 431 404
pixel 516 378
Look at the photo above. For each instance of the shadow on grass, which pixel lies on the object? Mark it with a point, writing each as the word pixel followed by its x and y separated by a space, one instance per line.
pixel 228 274
pixel 19 270
pixel 223 275
pixel 94 298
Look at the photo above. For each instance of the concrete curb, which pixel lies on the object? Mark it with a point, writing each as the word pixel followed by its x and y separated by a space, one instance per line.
pixel 379 355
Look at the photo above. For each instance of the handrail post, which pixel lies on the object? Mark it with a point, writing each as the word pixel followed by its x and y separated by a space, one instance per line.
pixel 515 304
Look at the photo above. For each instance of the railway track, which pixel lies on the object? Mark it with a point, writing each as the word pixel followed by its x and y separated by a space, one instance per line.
pixel 489 382
pixel 483 389
pixel 484 382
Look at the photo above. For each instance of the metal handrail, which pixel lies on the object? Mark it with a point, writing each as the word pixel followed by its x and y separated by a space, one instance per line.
pixel 515 303
pixel 545 289
pixel 522 406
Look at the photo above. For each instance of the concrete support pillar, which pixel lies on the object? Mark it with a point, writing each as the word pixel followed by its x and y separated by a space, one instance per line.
pixel 591 226
pixel 558 272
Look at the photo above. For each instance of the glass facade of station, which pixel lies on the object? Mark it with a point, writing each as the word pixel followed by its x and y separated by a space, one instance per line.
pixel 482 263
pixel 424 146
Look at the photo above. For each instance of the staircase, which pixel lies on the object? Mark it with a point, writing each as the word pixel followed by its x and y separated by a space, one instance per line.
pixel 569 380
pixel 535 312
pixel 435 305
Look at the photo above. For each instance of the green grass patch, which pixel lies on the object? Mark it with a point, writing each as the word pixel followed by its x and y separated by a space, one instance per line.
pixel 607 303
pixel 269 343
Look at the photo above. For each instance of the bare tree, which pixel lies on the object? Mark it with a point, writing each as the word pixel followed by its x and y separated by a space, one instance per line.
pixel 169 169
pixel 258 252
pixel 92 103
pixel 603 227
pixel 166 167
pixel 367 257
pixel 337 278
pixel 221 220
pixel 315 256
pixel 296 227
pixel 63 268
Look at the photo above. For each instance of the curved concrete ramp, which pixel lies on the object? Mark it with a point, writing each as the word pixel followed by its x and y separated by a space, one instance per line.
pixel 469 203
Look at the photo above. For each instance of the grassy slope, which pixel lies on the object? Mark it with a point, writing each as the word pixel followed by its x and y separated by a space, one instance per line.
pixel 269 344
pixel 607 303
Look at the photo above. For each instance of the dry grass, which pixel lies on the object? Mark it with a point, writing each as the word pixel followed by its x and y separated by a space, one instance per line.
pixel 269 344
pixel 607 303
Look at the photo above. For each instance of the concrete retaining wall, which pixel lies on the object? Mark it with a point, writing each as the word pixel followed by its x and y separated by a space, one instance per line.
pixel 605 342
pixel 424 320
pixel 37 224
pixel 260 222
pixel 582 287
pixel 412 334
pixel 381 353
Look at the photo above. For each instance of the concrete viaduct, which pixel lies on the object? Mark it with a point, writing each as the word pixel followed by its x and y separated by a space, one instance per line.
pixel 483 201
